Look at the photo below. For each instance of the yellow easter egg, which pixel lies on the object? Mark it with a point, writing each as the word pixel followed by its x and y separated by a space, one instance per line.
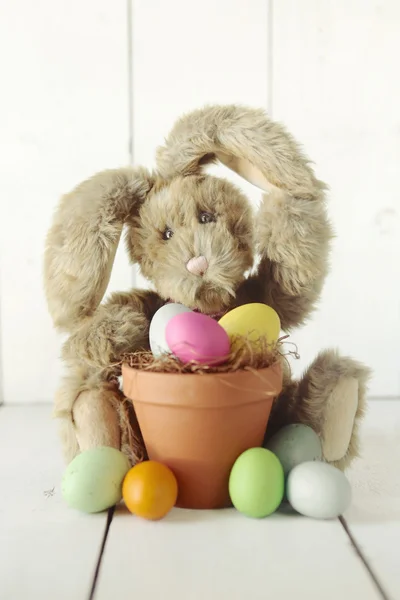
pixel 253 322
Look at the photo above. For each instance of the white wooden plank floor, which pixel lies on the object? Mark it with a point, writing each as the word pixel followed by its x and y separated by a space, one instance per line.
pixel 222 555
pixel 374 516
pixel 46 551
pixel 49 551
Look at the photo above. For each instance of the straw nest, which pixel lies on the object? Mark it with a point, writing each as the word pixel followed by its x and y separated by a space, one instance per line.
pixel 244 354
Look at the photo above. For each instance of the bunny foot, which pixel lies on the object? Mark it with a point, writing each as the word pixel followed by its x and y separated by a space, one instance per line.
pixel 331 400
pixel 97 415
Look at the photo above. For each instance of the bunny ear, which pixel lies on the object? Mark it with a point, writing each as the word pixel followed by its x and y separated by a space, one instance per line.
pixel 83 239
pixel 244 139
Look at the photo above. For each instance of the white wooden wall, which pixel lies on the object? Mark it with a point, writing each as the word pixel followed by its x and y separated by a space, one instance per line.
pixel 95 84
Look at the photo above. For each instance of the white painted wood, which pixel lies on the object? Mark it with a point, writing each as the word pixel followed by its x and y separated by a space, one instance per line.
pixel 46 549
pixel 1 363
pixel 192 555
pixel 187 55
pixel 374 517
pixel 63 116
pixel 334 86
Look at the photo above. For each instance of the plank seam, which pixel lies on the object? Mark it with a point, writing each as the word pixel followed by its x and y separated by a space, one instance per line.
pixel 131 152
pixel 110 516
pixel 270 57
pixel 129 18
pixel 362 557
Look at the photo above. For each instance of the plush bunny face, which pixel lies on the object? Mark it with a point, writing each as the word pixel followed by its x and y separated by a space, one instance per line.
pixel 193 239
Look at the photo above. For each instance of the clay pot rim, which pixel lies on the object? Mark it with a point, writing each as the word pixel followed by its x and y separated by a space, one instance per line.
pixel 227 375
pixel 176 385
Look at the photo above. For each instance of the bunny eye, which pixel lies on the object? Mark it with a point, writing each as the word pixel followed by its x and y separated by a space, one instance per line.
pixel 168 233
pixel 206 217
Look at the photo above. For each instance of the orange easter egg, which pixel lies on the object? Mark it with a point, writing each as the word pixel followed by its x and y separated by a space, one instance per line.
pixel 150 490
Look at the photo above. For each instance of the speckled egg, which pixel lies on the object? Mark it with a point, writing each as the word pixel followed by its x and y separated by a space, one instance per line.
pixel 92 482
pixel 158 325
pixel 318 490
pixel 295 444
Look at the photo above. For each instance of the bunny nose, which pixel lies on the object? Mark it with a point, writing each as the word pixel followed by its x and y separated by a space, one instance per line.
pixel 197 265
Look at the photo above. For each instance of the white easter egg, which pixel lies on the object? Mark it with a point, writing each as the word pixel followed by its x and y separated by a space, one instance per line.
pixel 318 490
pixel 158 342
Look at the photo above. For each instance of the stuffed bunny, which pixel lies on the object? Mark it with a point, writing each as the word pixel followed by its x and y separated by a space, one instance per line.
pixel 196 240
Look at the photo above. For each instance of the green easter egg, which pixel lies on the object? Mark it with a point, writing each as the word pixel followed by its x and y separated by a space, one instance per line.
pixel 256 483
pixel 92 482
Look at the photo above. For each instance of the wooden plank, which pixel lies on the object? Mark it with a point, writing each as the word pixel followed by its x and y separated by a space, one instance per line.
pixel 63 116
pixel 184 58
pixel 192 555
pixel 46 549
pixel 374 517
pixel 1 363
pixel 334 87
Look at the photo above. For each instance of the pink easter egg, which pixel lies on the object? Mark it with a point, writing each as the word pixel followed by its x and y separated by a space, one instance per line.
pixel 196 337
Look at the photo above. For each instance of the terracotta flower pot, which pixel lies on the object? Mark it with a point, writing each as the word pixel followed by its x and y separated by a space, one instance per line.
pixel 199 424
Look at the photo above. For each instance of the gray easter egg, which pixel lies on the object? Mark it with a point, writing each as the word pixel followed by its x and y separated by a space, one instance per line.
pixel 295 444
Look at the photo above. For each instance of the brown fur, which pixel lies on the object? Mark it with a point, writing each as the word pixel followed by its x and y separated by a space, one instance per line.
pixel 228 242
pixel 291 234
